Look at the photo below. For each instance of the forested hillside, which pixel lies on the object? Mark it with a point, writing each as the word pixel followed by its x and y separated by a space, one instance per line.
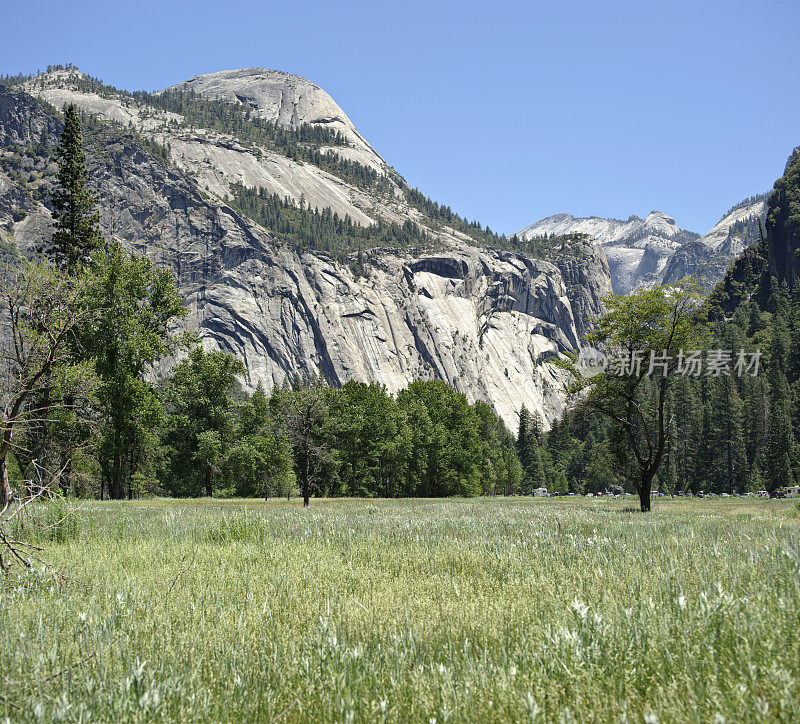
pixel 726 433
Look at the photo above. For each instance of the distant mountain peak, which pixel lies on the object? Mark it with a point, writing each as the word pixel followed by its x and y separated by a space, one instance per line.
pixel 637 249
pixel 656 216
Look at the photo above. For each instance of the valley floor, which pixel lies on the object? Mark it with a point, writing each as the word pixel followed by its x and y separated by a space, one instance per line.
pixel 412 610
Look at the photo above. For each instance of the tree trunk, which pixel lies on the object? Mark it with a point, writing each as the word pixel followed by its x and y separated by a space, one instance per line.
pixel 5 486
pixel 113 479
pixel 209 489
pixel 306 491
pixel 66 471
pixel 644 493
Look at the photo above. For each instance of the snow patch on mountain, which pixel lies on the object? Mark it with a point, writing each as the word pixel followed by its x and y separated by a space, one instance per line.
pixel 637 249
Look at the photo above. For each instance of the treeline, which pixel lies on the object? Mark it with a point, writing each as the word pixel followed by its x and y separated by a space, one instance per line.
pixel 311 229
pixel 301 144
pixel 346 241
pixel 357 440
pixel 541 247
pixel 725 434
pixel 549 246
pixel 745 202
pixel 441 214
pixel 198 433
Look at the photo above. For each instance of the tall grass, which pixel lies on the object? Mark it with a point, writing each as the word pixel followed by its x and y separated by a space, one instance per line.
pixel 476 610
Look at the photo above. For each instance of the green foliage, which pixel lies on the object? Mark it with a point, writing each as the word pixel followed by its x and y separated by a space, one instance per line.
pixel 41 309
pixel 445 427
pixel 307 229
pixel 371 447
pixel 76 239
pixel 500 468
pixel 786 202
pixel 725 434
pixel 258 461
pixel 200 429
pixel 530 452
pixel 426 441
pixel 644 326
pixel 134 307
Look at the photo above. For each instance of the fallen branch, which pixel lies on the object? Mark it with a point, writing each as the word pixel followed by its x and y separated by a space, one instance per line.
pixel 36 682
pixel 10 703
pixel 286 710
pixel 180 573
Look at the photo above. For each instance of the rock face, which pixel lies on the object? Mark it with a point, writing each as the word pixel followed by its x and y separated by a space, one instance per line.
pixel 286 99
pixel 709 257
pixel 644 252
pixel 776 258
pixel 587 278
pixel 783 224
pixel 637 249
pixel 738 229
pixel 485 320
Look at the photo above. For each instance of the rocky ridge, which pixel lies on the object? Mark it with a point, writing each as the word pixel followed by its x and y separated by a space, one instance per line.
pixel 638 250
pixel 654 250
pixel 486 320
pixel 288 100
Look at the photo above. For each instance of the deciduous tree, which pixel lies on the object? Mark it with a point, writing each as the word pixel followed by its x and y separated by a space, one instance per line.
pixel 650 324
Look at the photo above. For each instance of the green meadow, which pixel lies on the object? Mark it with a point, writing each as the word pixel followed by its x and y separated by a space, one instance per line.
pixel 491 609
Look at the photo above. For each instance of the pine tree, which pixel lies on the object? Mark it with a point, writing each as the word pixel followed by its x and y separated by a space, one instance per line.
pixel 780 440
pixel 756 414
pixel 536 471
pixel 686 431
pixel 728 446
pixel 77 235
pixel 522 436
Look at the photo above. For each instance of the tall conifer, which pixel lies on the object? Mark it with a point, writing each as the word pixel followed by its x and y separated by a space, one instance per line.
pixel 77 235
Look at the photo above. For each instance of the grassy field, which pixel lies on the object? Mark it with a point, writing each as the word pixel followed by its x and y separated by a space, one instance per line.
pixel 459 610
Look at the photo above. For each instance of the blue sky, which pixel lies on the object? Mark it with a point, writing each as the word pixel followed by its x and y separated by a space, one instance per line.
pixel 507 111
